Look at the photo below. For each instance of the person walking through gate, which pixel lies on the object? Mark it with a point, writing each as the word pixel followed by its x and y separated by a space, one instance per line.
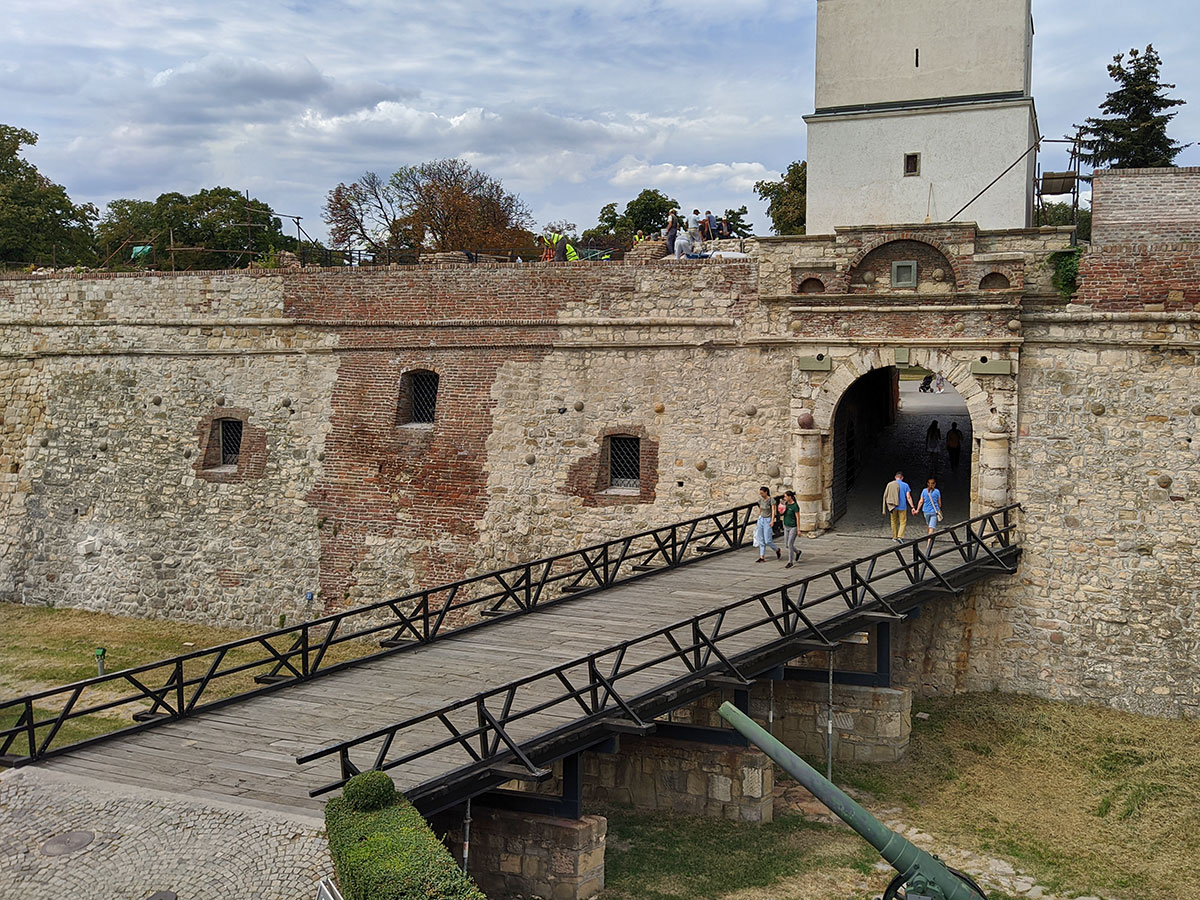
pixel 897 501
pixel 790 509
pixel 933 443
pixel 931 505
pixel 763 537
pixel 954 445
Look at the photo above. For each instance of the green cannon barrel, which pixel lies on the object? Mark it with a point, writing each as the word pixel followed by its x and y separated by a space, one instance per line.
pixel 928 876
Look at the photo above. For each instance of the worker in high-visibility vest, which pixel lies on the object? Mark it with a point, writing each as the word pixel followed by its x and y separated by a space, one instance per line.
pixel 639 237
pixel 563 251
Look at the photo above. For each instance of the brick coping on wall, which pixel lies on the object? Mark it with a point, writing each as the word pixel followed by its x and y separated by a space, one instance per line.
pixel 894 231
pixel 1152 170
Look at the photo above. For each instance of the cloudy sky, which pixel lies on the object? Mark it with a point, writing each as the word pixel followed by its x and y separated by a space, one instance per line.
pixel 572 105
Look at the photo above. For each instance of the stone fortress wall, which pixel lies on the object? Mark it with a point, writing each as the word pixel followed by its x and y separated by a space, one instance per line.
pixel 729 373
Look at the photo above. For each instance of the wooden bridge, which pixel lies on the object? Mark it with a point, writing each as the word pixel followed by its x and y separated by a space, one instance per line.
pixel 459 688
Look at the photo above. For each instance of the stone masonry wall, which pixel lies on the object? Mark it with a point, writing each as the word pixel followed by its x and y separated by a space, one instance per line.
pixel 1085 413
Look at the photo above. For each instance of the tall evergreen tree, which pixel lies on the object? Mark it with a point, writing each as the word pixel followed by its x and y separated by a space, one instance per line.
pixel 1134 135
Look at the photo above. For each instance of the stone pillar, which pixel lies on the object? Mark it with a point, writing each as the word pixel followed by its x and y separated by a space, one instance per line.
pixel 870 724
pixel 807 478
pixel 683 776
pixel 518 853
pixel 993 466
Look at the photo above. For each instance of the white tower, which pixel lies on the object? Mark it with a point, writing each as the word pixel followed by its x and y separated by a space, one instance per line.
pixel 920 104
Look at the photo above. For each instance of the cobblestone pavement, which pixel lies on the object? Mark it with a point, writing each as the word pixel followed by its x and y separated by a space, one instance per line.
pixel 66 838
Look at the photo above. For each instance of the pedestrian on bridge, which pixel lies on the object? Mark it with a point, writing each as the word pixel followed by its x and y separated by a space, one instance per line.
pixel 931 505
pixel 764 528
pixel 897 501
pixel 790 509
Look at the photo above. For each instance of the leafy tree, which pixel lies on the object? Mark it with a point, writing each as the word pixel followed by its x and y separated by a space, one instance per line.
pixel 445 204
pixel 786 198
pixel 1060 214
pixel 1135 133
pixel 737 222
pixel 38 221
pixel 230 230
pixel 648 211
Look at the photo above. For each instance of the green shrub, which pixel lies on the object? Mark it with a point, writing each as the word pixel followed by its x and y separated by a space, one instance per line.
pixel 1066 271
pixel 390 852
pixel 370 790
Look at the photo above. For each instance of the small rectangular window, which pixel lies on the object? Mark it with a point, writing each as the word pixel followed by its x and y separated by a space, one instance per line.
pixel 904 274
pixel 231 441
pixel 912 163
pixel 917 58
pixel 625 462
pixel 424 396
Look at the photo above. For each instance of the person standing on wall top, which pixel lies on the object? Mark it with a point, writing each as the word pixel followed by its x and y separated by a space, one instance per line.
pixel 790 509
pixel 931 505
pixel 672 231
pixel 954 445
pixel 763 528
pixel 693 227
pixel 639 237
pixel 713 231
pixel 897 501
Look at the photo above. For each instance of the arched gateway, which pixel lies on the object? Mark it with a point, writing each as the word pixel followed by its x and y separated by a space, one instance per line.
pixel 843 416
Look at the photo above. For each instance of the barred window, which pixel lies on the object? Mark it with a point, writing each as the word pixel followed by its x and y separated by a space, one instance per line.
pixel 624 462
pixel 224 443
pixel 417 402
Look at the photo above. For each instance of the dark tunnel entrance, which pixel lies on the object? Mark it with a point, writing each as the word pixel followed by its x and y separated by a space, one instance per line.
pixel 882 425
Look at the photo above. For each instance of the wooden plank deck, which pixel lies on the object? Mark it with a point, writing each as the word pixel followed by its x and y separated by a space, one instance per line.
pixel 246 750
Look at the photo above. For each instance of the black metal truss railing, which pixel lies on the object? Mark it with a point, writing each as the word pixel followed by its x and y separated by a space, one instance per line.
pixel 182 685
pixel 479 728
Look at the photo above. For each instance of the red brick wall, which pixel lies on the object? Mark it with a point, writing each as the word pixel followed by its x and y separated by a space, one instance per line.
pixel 1132 275
pixel 429 484
pixel 1146 206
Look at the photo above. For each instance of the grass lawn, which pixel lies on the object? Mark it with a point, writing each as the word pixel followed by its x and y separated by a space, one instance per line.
pixel 1087 800
pixel 658 856
pixel 42 648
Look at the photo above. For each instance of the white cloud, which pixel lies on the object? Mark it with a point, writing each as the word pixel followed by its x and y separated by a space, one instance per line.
pixel 572 104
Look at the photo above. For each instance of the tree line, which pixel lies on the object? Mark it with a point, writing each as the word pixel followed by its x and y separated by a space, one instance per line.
pixel 447 204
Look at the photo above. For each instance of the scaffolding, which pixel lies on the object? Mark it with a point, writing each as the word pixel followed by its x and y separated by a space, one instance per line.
pixel 1063 183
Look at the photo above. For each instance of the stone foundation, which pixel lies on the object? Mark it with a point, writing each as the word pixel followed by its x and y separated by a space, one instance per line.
pixel 870 724
pixel 520 854
pixel 684 777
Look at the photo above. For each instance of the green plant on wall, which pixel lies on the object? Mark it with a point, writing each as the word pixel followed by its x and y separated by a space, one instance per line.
pixel 1066 271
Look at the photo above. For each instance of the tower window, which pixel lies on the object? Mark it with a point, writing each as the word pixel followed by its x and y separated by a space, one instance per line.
pixel 624 462
pixel 917 58
pixel 904 274
pixel 224 443
pixel 912 163
pixel 417 402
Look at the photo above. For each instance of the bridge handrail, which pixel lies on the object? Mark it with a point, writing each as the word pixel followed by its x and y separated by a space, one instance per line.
pixel 299 652
pixel 690 643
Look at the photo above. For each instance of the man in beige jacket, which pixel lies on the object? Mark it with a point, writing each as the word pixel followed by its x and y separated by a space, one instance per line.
pixel 897 501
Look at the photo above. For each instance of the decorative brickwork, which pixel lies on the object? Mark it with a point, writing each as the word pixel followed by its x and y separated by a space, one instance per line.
pixel 589 477
pixel 252 455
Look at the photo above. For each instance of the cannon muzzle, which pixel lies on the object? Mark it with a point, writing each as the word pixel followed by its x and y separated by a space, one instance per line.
pixel 925 877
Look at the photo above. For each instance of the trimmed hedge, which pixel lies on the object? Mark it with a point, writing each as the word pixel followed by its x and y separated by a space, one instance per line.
pixel 389 852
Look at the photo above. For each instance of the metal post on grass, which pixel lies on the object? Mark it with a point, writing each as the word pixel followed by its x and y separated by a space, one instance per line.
pixel 467 836
pixel 829 725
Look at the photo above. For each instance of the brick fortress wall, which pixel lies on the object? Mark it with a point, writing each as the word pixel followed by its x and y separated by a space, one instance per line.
pixel 109 384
